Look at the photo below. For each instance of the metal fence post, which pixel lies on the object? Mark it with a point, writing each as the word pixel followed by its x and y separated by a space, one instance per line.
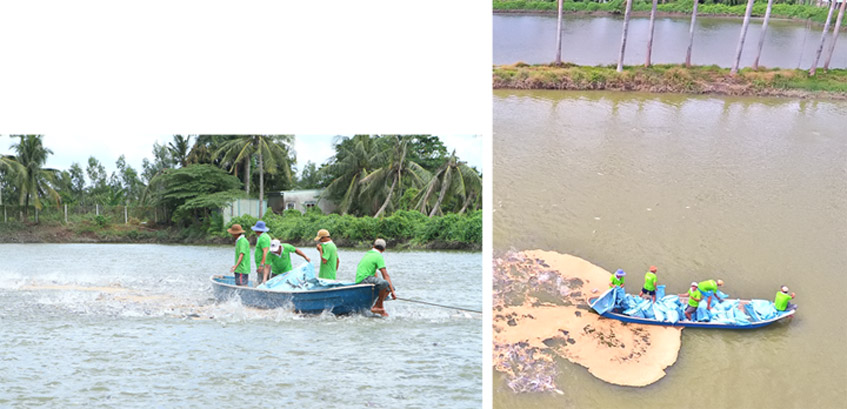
pixel 66 213
pixel 36 215
pixel 126 220
pixel 97 209
pixel 5 220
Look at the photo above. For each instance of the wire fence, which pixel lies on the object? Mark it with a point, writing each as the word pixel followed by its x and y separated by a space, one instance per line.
pixel 67 214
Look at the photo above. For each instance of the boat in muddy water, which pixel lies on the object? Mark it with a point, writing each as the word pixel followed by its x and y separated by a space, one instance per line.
pixel 744 314
pixel 340 300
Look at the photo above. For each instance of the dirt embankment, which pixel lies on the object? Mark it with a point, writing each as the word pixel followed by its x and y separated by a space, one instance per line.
pixel 541 311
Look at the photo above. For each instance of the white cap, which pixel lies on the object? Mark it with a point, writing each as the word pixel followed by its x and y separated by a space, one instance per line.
pixel 275 245
pixel 694 284
pixel 784 288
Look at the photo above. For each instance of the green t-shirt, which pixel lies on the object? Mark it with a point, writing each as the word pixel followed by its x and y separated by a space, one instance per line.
pixel 708 285
pixel 781 300
pixel 694 297
pixel 330 254
pixel 370 263
pixel 650 281
pixel 282 263
pixel 264 242
pixel 615 281
pixel 242 246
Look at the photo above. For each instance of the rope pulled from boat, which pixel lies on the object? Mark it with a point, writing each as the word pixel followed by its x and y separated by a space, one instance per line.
pixel 439 305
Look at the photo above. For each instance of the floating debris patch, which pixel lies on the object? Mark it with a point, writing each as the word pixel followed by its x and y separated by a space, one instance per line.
pixel 541 311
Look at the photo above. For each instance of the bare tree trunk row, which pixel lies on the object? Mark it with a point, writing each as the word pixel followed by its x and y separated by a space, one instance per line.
pixel 742 37
pixel 762 35
pixel 823 39
pixel 835 34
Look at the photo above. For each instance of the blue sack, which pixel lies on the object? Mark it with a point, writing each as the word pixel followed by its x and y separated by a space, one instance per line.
pixel 660 291
pixel 606 302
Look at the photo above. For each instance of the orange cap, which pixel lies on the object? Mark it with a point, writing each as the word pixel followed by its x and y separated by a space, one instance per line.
pixel 652 269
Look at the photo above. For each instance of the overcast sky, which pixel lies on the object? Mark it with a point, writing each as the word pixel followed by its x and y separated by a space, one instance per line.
pixel 316 148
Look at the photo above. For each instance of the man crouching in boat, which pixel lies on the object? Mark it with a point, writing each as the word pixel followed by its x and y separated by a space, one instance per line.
pixel 279 258
pixel 694 298
pixel 781 302
pixel 241 269
pixel 366 273
pixel 709 288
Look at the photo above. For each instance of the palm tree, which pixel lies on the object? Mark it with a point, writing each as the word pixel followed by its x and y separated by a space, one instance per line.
pixel 835 34
pixel 353 159
pixel 559 36
pixel 823 38
pixel 741 37
pixel 455 179
pixel 10 166
pixel 31 179
pixel 623 37
pixel 274 148
pixel 762 35
pixel 691 34
pixel 650 35
pixel 396 165
pixel 179 149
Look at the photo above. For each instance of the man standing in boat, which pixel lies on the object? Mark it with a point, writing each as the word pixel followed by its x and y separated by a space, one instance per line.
pixel 241 269
pixel 650 283
pixel 279 258
pixel 709 288
pixel 329 255
pixel 263 244
pixel 694 297
pixel 781 302
pixel 366 273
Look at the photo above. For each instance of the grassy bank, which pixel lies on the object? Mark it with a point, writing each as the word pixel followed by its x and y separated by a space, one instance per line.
pixel 403 229
pixel 788 11
pixel 672 78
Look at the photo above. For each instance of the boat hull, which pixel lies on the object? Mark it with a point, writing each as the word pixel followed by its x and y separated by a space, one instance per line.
pixel 692 324
pixel 338 300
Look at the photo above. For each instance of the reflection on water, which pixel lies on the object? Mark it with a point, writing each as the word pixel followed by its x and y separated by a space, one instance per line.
pixel 137 326
pixel 595 40
pixel 750 190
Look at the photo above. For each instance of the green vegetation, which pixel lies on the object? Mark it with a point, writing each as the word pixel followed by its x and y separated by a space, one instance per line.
pixel 714 8
pixel 406 188
pixel 403 228
pixel 672 78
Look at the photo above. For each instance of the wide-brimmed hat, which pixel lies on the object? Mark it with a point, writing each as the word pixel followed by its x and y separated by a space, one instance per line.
pixel 321 234
pixel 260 226
pixel 235 229
pixel 620 273
pixel 275 245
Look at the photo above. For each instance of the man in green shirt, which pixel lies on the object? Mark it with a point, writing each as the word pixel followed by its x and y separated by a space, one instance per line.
pixel 263 244
pixel 617 279
pixel 781 302
pixel 709 288
pixel 279 258
pixel 366 273
pixel 694 298
pixel 329 255
pixel 650 283
pixel 241 269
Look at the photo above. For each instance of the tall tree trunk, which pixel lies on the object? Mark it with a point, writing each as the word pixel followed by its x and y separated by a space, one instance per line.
pixel 261 182
pixel 742 37
pixel 559 36
pixel 388 199
pixel 247 176
pixel 835 34
pixel 650 35
pixel 445 184
pixel 691 33
pixel 823 38
pixel 762 35
pixel 623 36
pixel 468 201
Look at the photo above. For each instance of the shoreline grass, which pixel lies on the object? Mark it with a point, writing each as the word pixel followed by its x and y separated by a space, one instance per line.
pixel 675 78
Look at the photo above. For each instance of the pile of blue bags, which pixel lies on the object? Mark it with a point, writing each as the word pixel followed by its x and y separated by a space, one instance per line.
pixel 669 308
pixel 301 278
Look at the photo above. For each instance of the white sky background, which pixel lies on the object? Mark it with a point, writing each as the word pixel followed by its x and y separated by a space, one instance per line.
pixel 316 148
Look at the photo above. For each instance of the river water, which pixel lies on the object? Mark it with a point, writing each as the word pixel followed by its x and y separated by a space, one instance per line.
pixel 750 190
pixel 591 40
pixel 117 325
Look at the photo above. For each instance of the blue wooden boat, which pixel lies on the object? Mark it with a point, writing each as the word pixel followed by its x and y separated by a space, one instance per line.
pixel 339 300
pixel 616 314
